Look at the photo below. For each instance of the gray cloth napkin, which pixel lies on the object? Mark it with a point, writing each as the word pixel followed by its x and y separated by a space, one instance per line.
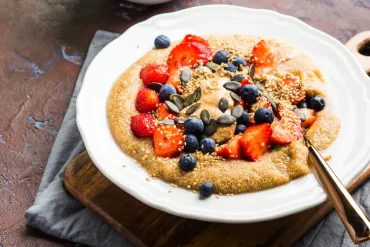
pixel 59 214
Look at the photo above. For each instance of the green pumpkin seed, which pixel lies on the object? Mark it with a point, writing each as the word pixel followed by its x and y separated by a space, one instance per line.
pixel 210 128
pixel 189 100
pixel 192 109
pixel 232 86
pixel 251 71
pixel 212 66
pixel 223 104
pixel 180 120
pixel 205 116
pixel 272 101
pixel 198 94
pixel 185 75
pixel 235 96
pixel 301 115
pixel 226 120
pixel 156 86
pixel 237 111
pixel 168 122
pixel 260 86
pixel 238 78
pixel 175 95
pixel 178 103
pixel 172 106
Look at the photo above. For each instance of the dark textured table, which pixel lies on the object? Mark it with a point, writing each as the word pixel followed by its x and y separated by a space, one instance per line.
pixel 42 47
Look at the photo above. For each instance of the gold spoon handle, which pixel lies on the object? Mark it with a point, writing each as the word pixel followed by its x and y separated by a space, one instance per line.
pixel 353 218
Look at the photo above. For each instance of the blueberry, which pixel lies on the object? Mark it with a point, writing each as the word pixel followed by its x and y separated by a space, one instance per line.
pixel 206 189
pixel 230 67
pixel 207 145
pixel 166 91
pixel 162 41
pixel 193 126
pixel 240 128
pixel 317 103
pixel 249 93
pixel 187 162
pixel 221 57
pixel 263 115
pixel 191 143
pixel 244 119
pixel 302 104
pixel 237 61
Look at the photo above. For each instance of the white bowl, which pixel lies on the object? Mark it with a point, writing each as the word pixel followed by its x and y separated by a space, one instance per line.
pixel 349 90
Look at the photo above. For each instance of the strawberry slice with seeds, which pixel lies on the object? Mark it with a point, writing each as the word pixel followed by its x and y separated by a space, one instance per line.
pixel 281 135
pixel 246 81
pixel 154 73
pixel 174 78
pixel 194 38
pixel 168 141
pixel 310 117
pixel 231 149
pixel 142 125
pixel 189 54
pixel 255 141
pixel 263 57
pixel 146 100
pixel 164 113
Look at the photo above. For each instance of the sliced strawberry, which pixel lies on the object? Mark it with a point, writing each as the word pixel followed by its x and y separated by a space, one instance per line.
pixel 246 81
pixel 288 81
pixel 189 54
pixel 146 100
pixel 154 73
pixel 194 38
pixel 164 113
pixel 262 54
pixel 168 141
pixel 288 129
pixel 142 125
pixel 281 135
pixel 255 141
pixel 174 78
pixel 231 149
pixel 310 117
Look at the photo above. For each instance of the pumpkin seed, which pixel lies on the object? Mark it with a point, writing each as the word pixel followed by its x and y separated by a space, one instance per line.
pixel 168 122
pixel 179 120
pixel 251 71
pixel 226 120
pixel 301 115
pixel 172 106
pixel 185 75
pixel 175 95
pixel 178 103
pixel 238 78
pixel 156 86
pixel 232 85
pixel 223 104
pixel 237 111
pixel 205 116
pixel 260 86
pixel 210 128
pixel 272 101
pixel 198 94
pixel 212 66
pixel 235 96
pixel 189 100
pixel 192 109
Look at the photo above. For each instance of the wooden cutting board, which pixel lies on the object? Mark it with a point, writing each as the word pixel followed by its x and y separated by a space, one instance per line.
pixel 146 226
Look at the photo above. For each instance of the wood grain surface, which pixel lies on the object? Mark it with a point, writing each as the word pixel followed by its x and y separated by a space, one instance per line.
pixel 42 46
pixel 146 226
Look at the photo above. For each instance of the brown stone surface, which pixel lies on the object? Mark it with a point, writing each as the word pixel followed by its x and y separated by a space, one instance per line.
pixel 42 46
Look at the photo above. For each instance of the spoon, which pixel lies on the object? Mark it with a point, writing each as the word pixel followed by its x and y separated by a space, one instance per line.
pixel 352 217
